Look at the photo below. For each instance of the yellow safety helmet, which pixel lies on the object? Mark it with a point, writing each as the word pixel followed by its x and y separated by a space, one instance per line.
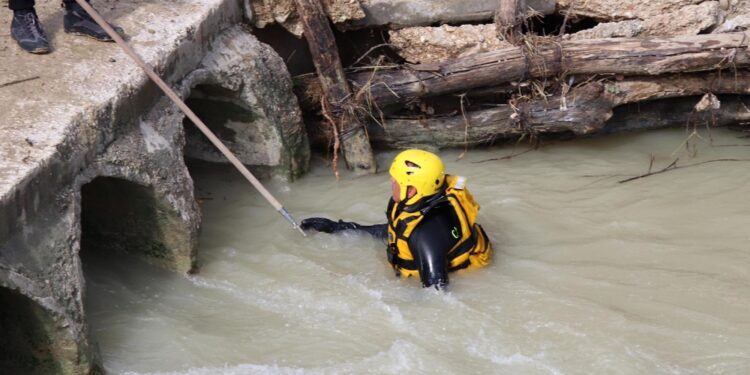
pixel 418 168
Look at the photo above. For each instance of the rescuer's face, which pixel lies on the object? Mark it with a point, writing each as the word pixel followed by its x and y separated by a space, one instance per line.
pixel 395 191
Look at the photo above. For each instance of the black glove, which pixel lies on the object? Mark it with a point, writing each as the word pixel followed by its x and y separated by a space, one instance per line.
pixel 322 224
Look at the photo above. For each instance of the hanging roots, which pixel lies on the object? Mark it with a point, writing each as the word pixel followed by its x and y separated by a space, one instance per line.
pixel 335 132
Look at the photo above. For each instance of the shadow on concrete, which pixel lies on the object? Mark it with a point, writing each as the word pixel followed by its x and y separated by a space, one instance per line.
pixel 122 216
pixel 27 342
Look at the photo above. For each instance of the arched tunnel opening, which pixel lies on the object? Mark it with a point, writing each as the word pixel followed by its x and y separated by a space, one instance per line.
pixel 228 116
pixel 27 339
pixel 131 236
pixel 240 127
pixel 119 215
pixel 126 217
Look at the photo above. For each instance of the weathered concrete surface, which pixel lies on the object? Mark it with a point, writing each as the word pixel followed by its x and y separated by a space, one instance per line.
pixel 392 13
pixel 403 13
pixel 435 44
pixel 148 207
pixel 243 91
pixel 608 10
pixel 87 116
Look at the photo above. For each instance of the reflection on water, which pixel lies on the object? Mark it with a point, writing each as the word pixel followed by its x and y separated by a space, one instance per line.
pixel 590 276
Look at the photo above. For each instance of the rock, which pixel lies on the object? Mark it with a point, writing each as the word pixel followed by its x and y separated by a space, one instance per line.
pixel 737 16
pixel 284 12
pixel 736 23
pixel 621 29
pixel 434 44
pixel 709 102
pixel 340 11
pixel 608 10
pixel 736 7
pixel 689 20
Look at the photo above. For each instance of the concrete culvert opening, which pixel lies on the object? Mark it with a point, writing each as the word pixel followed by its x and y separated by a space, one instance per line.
pixel 224 112
pixel 120 215
pixel 27 341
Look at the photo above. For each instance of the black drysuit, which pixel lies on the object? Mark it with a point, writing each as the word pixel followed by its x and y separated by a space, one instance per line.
pixel 429 242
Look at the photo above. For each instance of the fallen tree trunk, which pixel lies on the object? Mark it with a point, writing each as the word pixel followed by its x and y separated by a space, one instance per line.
pixel 338 104
pixel 493 125
pixel 624 56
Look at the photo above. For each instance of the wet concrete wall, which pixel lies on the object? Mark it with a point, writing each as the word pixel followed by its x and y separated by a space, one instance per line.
pixel 117 164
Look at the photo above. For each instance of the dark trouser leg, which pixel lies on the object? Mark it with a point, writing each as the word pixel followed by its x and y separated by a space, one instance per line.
pixel 20 4
pixel 68 3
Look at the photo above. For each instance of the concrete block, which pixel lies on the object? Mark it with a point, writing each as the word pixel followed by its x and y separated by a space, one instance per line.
pixel 243 91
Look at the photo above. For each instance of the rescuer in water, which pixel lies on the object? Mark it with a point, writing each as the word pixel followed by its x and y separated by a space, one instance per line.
pixel 431 227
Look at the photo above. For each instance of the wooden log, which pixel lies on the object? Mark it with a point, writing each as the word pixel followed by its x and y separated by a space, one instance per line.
pixel 641 88
pixel 581 112
pixel 624 56
pixel 494 125
pixel 677 112
pixel 343 111
pixel 509 19
pixel 587 111
pixel 627 90
pixel 584 111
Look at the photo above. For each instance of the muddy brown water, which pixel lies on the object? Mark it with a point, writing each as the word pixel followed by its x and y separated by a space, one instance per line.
pixel 590 275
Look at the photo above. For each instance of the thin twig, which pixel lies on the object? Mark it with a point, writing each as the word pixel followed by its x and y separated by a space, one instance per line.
pixel 567 17
pixel 370 51
pixel 466 128
pixel 506 157
pixel 355 69
pixel 649 173
pixel 336 142
pixel 674 166
pixel 11 83
pixel 366 90
pixel 290 57
pixel 651 163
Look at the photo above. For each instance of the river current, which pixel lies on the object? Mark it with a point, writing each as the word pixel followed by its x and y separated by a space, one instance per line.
pixel 590 276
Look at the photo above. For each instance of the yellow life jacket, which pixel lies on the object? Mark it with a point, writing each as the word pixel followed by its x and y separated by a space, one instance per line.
pixel 473 248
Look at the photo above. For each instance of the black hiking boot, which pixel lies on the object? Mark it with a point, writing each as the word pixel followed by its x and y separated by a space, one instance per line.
pixel 27 32
pixel 77 21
